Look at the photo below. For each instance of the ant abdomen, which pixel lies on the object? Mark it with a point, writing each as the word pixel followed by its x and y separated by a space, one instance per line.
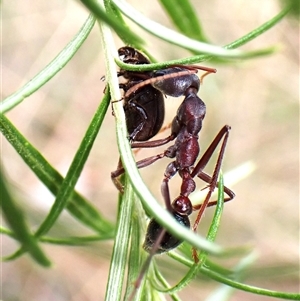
pixel 144 113
pixel 175 86
pixel 169 241
pixel 144 107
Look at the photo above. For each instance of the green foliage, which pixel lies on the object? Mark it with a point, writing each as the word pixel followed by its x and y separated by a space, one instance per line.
pixel 127 254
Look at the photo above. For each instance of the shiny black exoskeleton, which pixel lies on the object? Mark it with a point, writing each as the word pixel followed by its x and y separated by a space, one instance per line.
pixel 144 108
pixel 174 81
pixel 168 241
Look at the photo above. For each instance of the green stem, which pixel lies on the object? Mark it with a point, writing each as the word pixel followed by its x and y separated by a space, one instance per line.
pixel 200 58
pixel 176 38
pixel 249 288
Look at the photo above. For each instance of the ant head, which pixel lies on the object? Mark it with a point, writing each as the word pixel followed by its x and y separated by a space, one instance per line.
pixel 130 55
pixel 182 205
pixel 168 241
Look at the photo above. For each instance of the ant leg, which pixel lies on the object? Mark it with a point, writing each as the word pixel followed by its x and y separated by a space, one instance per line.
pixel 223 134
pixel 203 75
pixel 153 143
pixel 115 176
pixel 140 164
pixel 137 146
pixel 170 171
pixel 207 178
pixel 210 150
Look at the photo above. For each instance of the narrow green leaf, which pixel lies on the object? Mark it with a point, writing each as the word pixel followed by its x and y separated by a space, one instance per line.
pixel 68 184
pixel 51 69
pixel 100 13
pixel 85 212
pixel 136 254
pixel 76 167
pixel 181 40
pixel 200 58
pixel 181 258
pixel 249 288
pixel 224 292
pixel 259 30
pixel 113 12
pixel 15 218
pixel 7 232
pixel 75 240
pixel 121 245
pixel 134 257
pixel 68 241
pixel 184 18
pixel 216 221
pixel 238 285
pixel 295 7
pixel 77 205
pixel 166 286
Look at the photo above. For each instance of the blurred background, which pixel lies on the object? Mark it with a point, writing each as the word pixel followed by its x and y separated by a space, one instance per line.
pixel 258 98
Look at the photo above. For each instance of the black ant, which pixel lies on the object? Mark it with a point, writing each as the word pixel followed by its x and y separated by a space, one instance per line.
pixel 185 129
pixel 177 81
